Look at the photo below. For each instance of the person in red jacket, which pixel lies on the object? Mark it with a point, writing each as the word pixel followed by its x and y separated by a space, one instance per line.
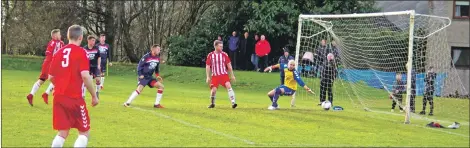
pixel 262 49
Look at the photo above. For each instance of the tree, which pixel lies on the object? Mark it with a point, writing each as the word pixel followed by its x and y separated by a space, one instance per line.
pixel 7 8
pixel 278 20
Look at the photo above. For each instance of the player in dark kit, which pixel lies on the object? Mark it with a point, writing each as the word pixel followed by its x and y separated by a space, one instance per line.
pixel 104 54
pixel 94 57
pixel 328 75
pixel 148 65
pixel 429 91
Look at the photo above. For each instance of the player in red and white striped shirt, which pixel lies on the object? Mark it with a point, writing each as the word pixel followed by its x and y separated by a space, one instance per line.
pixel 217 68
pixel 52 47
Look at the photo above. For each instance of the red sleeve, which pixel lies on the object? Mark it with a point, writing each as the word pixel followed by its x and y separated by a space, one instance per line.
pixel 50 47
pixel 268 47
pixel 227 59
pixel 208 59
pixel 83 60
pixel 49 50
pixel 53 66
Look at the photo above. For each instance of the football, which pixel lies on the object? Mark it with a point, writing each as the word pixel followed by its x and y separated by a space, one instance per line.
pixel 326 105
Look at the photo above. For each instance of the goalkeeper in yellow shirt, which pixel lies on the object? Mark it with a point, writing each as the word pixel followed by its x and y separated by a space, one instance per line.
pixel 291 79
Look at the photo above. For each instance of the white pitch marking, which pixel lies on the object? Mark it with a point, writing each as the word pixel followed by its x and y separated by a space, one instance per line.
pixel 197 126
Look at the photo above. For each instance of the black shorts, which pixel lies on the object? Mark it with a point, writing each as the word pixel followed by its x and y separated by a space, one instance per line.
pixel 147 81
pixel 94 72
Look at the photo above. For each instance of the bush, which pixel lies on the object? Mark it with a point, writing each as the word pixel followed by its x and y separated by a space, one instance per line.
pixel 188 51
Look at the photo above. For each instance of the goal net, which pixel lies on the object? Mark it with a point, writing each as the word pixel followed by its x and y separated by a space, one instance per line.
pixel 367 68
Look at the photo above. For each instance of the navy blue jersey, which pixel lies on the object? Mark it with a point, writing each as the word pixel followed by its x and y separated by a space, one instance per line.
pixel 429 80
pixel 329 71
pixel 400 86
pixel 104 51
pixel 148 65
pixel 93 55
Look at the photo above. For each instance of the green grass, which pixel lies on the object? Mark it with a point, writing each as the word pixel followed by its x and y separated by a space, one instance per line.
pixel 187 122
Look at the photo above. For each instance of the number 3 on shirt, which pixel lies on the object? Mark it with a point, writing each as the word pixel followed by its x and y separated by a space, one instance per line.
pixel 65 62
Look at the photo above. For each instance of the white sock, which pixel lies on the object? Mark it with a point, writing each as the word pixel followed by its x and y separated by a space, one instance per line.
pixel 81 141
pixel 35 88
pixel 49 88
pixel 97 87
pixel 58 141
pixel 159 96
pixel 231 95
pixel 102 81
pixel 133 96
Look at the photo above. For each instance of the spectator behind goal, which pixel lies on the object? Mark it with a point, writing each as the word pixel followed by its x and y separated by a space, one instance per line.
pixel 262 49
pixel 429 91
pixel 398 91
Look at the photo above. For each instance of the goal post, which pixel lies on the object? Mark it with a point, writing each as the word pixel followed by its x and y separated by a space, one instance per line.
pixel 409 66
pixel 373 53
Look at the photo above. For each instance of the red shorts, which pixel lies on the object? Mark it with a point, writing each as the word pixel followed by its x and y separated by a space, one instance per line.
pixel 44 72
pixel 219 80
pixel 44 75
pixel 70 113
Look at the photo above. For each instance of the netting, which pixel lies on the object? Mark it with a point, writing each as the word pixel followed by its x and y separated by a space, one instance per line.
pixel 369 68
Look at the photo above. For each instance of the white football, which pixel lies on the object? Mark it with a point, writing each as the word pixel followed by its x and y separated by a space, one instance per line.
pixel 326 105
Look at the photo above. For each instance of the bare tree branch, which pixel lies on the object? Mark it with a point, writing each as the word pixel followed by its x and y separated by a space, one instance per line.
pixel 141 10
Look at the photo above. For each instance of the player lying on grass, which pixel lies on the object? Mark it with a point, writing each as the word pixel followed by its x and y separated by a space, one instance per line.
pixel 292 78
pixel 95 60
pixel 217 68
pixel 53 45
pixel 148 65
pixel 283 61
pixel 68 72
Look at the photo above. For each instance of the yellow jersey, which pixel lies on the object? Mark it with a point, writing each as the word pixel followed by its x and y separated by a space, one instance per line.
pixel 291 78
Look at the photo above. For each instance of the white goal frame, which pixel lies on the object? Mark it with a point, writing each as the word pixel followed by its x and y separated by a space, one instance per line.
pixel 409 64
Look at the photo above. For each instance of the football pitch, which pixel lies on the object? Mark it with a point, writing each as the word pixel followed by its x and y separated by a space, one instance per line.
pixel 186 120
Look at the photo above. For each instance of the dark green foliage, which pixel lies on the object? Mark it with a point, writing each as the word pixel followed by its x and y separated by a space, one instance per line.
pixel 278 20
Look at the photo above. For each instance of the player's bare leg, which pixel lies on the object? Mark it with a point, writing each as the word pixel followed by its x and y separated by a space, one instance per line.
pixel 45 95
pixel 34 90
pixel 231 94
pixel 134 95
pixel 274 96
pixel 292 101
pixel 160 88
pixel 60 138
pixel 98 81
pixel 213 93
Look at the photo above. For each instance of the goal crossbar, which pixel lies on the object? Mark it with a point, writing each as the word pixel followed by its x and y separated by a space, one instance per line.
pixel 307 16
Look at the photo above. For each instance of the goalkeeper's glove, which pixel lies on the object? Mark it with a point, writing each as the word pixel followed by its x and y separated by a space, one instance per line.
pixel 270 69
pixel 309 90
